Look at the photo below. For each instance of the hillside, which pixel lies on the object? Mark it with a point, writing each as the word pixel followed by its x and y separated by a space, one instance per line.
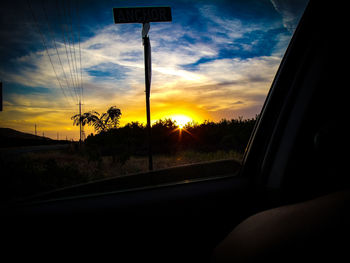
pixel 12 138
pixel 11 133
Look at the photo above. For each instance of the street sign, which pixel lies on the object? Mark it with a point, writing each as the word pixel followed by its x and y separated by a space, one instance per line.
pixel 125 15
pixel 144 15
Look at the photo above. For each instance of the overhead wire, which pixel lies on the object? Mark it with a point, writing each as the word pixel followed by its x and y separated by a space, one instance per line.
pixel 55 46
pixel 72 47
pixel 73 41
pixel 73 72
pixel 81 68
pixel 69 50
pixel 62 22
pixel 69 34
pixel 68 12
pixel 74 83
pixel 45 46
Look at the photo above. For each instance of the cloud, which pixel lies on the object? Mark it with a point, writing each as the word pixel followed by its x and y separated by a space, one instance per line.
pixel 113 71
pixel 230 27
pixel 291 11
pixel 228 86
pixel 218 67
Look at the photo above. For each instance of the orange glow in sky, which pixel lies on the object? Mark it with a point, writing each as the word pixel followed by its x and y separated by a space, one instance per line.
pixel 210 63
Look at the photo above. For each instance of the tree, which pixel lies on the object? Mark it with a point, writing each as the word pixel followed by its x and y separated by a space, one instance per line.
pixel 89 118
pixel 104 122
pixel 111 118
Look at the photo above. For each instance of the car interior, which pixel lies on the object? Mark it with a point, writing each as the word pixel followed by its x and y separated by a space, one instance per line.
pixel 289 201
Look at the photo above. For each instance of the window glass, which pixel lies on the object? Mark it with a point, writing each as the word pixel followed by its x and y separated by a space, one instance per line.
pixel 73 87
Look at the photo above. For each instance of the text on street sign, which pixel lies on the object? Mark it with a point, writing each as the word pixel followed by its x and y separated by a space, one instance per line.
pixel 142 14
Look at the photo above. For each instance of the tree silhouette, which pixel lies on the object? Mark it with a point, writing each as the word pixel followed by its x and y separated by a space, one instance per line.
pixel 167 138
pixel 111 118
pixel 89 118
pixel 104 122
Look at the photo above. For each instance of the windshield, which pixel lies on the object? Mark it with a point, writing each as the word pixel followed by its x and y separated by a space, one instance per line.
pixel 74 82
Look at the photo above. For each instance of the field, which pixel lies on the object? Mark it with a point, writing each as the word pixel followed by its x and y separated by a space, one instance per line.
pixel 29 168
pixel 33 173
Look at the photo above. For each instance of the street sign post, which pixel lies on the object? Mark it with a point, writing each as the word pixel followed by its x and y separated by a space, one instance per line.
pixel 144 15
pixel 148 75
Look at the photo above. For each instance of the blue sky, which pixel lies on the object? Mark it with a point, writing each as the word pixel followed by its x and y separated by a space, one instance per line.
pixel 215 60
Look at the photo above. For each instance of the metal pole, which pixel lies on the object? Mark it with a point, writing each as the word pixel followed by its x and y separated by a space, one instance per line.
pixel 80 122
pixel 0 95
pixel 147 56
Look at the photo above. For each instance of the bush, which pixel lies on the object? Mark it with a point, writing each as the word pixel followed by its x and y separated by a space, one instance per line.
pixel 167 138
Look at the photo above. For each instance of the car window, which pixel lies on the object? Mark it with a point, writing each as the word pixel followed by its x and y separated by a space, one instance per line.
pixel 73 88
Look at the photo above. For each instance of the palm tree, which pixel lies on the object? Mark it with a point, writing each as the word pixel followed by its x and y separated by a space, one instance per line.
pixel 103 122
pixel 89 118
pixel 111 117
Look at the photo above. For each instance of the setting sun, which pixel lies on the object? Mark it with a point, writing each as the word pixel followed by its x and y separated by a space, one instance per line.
pixel 221 74
pixel 181 120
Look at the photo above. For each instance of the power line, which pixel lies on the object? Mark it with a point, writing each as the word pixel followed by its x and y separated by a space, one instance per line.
pixel 45 46
pixel 75 60
pixel 65 46
pixel 70 44
pixel 54 42
pixel 69 30
pixel 81 68
pixel 73 41
pixel 74 83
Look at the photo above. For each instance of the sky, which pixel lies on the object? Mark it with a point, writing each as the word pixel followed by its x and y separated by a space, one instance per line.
pixel 215 60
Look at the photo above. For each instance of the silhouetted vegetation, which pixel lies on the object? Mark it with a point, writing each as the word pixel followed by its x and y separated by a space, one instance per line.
pixel 168 138
pixel 116 151
pixel 101 122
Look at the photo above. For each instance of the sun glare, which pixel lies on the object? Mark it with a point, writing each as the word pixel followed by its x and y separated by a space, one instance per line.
pixel 181 120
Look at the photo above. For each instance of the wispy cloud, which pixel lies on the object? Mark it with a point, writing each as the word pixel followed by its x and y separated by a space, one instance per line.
pixel 217 67
pixel 113 70
pixel 291 11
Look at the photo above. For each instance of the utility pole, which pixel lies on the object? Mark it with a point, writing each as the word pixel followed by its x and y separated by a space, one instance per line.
pixel 79 121
pixel 1 96
pixel 144 15
pixel 35 128
pixel 82 133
